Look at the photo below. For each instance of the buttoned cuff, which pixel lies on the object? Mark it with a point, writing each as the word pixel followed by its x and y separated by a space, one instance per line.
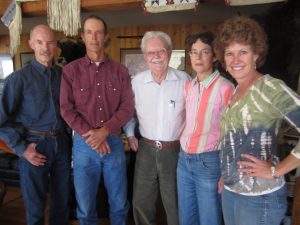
pixel 19 150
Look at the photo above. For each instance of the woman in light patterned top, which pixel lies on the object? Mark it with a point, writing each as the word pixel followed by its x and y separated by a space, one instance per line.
pixel 254 188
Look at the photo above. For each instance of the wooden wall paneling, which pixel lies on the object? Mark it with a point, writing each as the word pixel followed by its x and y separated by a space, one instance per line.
pixel 4 44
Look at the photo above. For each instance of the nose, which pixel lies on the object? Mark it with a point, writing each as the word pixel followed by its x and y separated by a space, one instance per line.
pixel 157 53
pixel 94 36
pixel 45 45
pixel 236 58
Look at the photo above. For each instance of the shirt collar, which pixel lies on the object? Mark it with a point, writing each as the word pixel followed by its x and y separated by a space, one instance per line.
pixel 208 81
pixel 170 76
pixel 40 67
pixel 88 61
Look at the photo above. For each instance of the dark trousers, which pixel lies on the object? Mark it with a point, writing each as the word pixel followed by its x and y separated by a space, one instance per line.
pixel 155 170
pixel 54 177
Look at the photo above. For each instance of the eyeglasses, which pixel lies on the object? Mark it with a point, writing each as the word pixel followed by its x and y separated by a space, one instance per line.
pixel 202 53
pixel 161 52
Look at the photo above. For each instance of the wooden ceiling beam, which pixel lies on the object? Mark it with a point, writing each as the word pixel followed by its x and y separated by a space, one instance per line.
pixel 39 8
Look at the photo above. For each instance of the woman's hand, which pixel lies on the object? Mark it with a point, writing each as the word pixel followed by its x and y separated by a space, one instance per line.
pixel 256 167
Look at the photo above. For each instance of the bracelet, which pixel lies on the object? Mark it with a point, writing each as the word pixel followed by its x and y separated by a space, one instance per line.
pixel 273 171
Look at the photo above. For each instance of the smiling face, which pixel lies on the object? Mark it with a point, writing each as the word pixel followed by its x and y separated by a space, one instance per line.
pixel 94 36
pixel 240 61
pixel 43 43
pixel 157 56
pixel 202 58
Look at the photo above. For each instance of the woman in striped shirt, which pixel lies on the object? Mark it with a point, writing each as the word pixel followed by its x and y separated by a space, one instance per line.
pixel 198 168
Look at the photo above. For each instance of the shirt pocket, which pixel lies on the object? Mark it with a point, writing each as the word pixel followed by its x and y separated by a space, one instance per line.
pixel 112 90
pixel 82 93
pixel 175 108
pixel 32 98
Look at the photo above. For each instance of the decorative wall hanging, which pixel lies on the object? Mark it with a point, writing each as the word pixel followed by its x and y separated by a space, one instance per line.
pixel 64 15
pixel 156 6
pixel 250 2
pixel 12 19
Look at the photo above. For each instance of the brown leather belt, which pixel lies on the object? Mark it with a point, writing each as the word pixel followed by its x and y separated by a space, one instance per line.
pixel 161 144
pixel 55 133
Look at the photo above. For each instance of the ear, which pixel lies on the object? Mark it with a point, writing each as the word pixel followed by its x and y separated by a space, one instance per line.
pixel 106 37
pixel 255 57
pixel 215 59
pixel 31 45
pixel 82 36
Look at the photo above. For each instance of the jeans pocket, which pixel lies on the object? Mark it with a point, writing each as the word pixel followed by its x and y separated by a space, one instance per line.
pixel 281 198
pixel 211 160
pixel 211 164
pixel 40 144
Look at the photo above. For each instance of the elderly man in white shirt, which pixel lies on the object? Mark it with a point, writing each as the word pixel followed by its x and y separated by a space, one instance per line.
pixel 159 95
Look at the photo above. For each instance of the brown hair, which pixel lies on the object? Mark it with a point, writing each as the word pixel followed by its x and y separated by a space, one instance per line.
pixel 96 18
pixel 243 30
pixel 206 37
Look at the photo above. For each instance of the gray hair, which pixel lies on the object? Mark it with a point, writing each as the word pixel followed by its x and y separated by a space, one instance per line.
pixel 156 34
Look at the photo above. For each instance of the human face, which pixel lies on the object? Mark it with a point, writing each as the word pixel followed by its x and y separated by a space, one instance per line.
pixel 94 36
pixel 157 56
pixel 240 61
pixel 43 43
pixel 202 58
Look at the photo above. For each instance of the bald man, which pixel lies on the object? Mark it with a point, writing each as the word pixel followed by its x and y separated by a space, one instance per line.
pixel 31 125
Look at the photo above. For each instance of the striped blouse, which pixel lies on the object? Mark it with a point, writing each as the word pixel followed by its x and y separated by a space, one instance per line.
pixel 205 101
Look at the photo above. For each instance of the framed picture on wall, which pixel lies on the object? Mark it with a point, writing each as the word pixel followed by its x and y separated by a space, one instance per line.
pixel 26 57
pixel 133 59
pixel 177 60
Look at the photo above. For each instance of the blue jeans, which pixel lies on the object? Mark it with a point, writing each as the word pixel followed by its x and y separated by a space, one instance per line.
pixel 54 176
pixel 268 209
pixel 199 202
pixel 88 167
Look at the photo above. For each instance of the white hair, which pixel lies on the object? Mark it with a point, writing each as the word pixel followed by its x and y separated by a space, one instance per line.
pixel 156 34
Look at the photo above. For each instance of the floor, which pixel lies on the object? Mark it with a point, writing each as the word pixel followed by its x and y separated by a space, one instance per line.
pixel 12 211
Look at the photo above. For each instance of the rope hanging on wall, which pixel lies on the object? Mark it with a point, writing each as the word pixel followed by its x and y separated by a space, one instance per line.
pixel 156 6
pixel 64 15
pixel 250 2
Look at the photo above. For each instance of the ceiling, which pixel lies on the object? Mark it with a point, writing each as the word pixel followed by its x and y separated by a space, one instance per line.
pixel 215 11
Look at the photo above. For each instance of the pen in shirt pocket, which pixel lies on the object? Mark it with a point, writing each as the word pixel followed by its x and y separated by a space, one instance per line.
pixel 172 103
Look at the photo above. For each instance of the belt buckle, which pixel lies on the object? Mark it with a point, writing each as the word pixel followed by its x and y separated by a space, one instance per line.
pixel 158 145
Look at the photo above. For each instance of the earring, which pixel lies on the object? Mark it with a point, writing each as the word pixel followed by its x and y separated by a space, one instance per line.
pixel 254 64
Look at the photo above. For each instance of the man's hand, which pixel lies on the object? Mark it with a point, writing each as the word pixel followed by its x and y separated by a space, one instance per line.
pixel 220 185
pixel 32 156
pixel 104 148
pixel 133 143
pixel 96 137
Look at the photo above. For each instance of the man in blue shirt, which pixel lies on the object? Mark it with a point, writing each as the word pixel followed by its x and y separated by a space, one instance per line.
pixel 31 125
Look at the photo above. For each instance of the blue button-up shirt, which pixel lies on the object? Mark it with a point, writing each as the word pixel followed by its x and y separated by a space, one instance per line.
pixel 30 100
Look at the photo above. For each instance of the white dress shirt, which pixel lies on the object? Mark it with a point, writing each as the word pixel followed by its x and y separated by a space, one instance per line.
pixel 160 108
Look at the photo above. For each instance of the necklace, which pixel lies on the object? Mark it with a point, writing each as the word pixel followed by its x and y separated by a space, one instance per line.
pixel 240 92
